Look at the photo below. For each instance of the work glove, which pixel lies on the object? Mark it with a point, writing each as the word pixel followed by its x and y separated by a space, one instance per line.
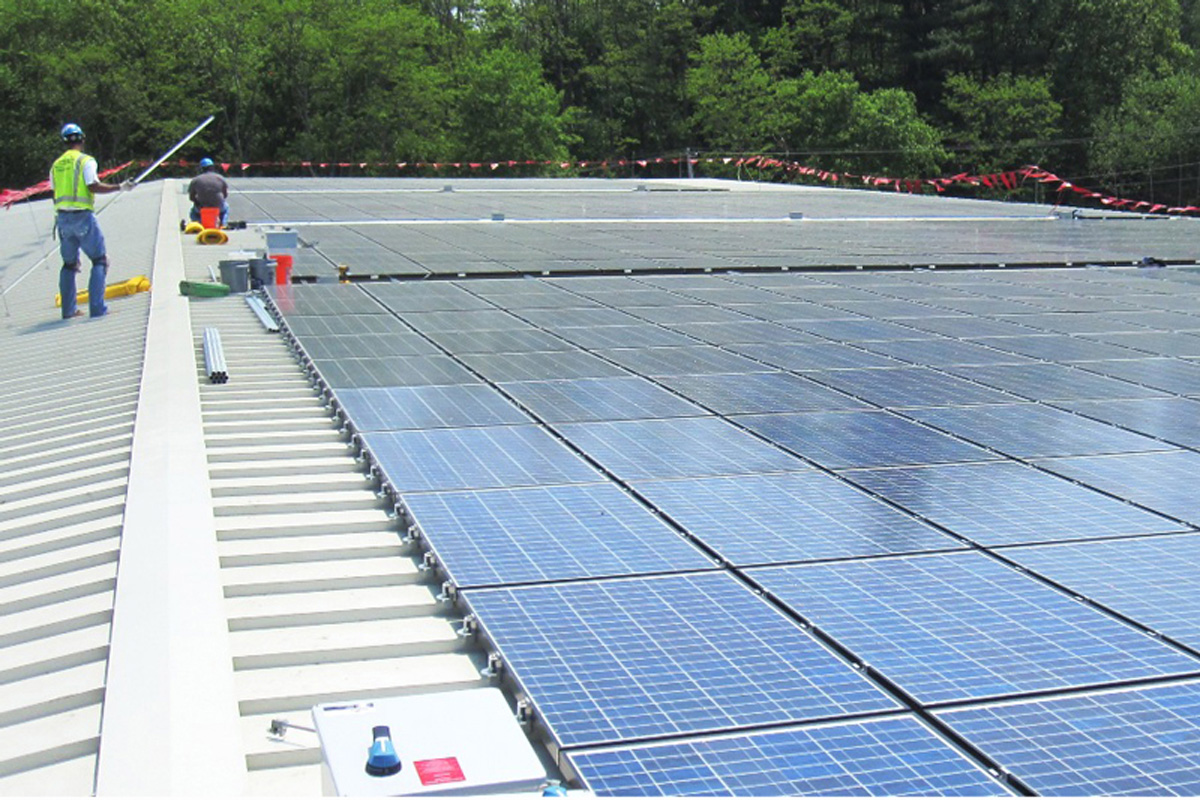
pixel 127 186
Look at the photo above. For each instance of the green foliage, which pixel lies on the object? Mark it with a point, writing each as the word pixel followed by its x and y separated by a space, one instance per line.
pixel 506 110
pixel 730 92
pixel 1002 121
pixel 1149 138
pixel 904 87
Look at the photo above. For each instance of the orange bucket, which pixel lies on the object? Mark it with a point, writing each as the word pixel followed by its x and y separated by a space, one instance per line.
pixel 210 217
pixel 283 269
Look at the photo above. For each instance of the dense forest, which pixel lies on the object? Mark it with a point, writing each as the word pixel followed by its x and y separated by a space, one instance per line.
pixel 1104 92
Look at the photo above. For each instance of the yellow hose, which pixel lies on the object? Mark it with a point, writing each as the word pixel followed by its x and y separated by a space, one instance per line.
pixel 193 228
pixel 123 289
pixel 212 236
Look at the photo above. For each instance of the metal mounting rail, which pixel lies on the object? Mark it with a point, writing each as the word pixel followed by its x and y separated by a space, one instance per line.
pixel 260 310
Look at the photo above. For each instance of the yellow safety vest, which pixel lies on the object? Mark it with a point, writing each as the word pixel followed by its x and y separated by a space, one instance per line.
pixel 66 176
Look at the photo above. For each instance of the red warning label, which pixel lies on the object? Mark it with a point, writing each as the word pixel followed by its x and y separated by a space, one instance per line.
pixel 439 770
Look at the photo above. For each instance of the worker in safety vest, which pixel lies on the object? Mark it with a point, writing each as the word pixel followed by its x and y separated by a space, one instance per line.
pixel 76 183
pixel 209 190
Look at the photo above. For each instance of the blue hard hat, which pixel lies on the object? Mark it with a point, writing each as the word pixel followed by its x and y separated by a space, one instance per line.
pixel 71 132
pixel 205 163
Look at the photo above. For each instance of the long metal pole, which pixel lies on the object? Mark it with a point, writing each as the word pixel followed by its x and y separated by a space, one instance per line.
pixel 138 179
pixel 173 150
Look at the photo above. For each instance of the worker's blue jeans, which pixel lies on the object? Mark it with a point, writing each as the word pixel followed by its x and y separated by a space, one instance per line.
pixel 79 230
pixel 195 214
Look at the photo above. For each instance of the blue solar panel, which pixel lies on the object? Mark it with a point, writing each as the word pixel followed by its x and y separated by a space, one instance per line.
pixel 747 332
pixel 911 387
pixel 1134 742
pixel 798 516
pixel 1039 381
pixel 510 341
pixel 298 300
pixel 851 439
pixel 610 336
pixel 358 373
pixel 1030 430
pixel 1152 580
pixel 476 458
pixel 577 317
pixel 890 757
pixel 676 448
pixel 1057 347
pixel 859 330
pixel 1164 482
pixel 943 352
pixel 814 357
pixel 405 408
pixel 961 626
pixel 1168 374
pixel 553 534
pixel 697 360
pixel 614 660
pixel 364 344
pixel 760 393
pixel 598 399
pixel 346 325
pixel 1173 419
pixel 1005 503
pixel 502 367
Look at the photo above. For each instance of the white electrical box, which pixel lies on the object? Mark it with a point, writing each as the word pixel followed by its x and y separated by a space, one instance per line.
pixel 451 743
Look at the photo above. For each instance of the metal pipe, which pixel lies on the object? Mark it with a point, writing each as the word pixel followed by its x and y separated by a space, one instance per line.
pixel 214 357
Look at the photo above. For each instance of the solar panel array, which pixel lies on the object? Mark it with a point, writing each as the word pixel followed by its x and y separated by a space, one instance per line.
pixel 871 533
pixel 417 229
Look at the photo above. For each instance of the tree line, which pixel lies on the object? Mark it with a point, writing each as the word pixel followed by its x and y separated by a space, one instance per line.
pixel 1105 92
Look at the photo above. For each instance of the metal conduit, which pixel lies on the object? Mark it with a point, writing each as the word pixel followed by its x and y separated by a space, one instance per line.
pixel 214 357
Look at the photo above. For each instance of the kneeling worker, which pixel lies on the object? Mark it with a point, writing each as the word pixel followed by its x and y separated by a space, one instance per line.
pixel 75 182
pixel 209 190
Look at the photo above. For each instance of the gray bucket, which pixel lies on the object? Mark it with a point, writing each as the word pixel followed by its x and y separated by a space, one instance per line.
pixel 262 272
pixel 236 274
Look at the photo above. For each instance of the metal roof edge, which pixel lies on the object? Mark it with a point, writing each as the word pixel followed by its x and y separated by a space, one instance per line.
pixel 170 720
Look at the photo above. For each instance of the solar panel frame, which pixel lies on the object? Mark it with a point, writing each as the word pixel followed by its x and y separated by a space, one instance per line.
pixel 890 757
pixel 676 448
pixel 498 341
pixel 1158 481
pixel 759 393
pixel 691 360
pixel 423 407
pixel 1131 742
pixel 1172 419
pixel 1008 503
pixel 912 387
pixel 1168 374
pixel 1043 381
pixel 300 300
pixel 361 373
pixel 448 459
pixel 542 366
pixel 368 345
pixel 538 535
pixel 1150 579
pixel 600 400
pixel 841 440
pixel 346 325
pixel 1032 430
pixel 953 627
pixel 753 520
pixel 624 659
pixel 814 357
